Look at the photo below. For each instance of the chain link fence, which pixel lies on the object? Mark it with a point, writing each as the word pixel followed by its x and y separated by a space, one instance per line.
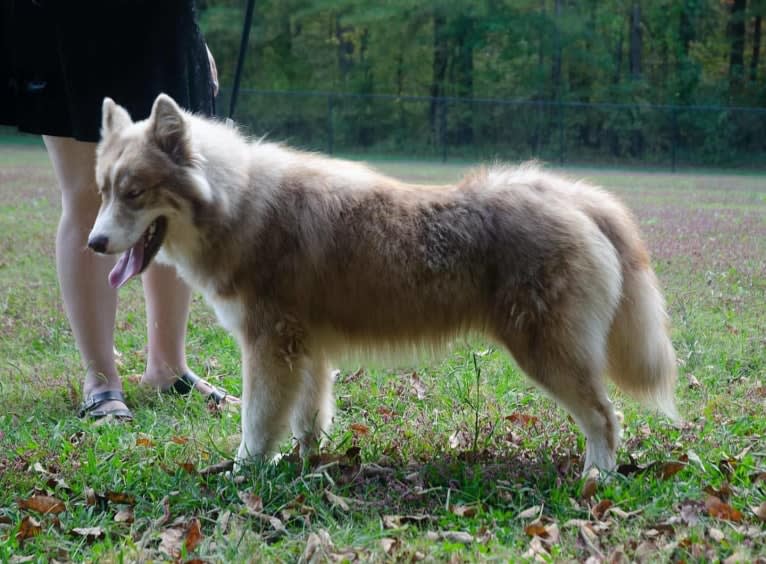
pixel 461 128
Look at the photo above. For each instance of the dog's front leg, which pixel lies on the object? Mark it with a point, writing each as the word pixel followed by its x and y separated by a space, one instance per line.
pixel 269 387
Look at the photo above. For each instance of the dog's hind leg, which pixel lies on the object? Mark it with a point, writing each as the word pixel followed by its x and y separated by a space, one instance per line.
pixel 576 384
pixel 315 406
pixel 270 383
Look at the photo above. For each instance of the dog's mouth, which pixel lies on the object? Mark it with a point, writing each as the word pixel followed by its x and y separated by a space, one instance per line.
pixel 135 260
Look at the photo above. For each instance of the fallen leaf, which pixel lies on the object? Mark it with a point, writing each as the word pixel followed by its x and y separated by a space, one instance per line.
pixel 121 498
pixel 464 510
pixel 188 467
pixel 359 429
pixel 670 469
pixel 536 529
pixel 90 496
pixel 165 504
pixel 723 493
pixel 144 442
pixel 530 512
pixel 589 487
pixel 5 520
pixel 171 540
pixel 179 440
pixel 44 504
pixel 337 501
pixel 89 533
pixel 397 521
pixel 621 513
pixel 29 527
pixel 600 508
pixel 253 502
pixel 630 469
pixel 389 545
pixel 193 535
pixel 693 382
pixel 720 510
pixel 716 534
pixel 450 536
pixel 124 516
pixel 319 548
pixel 758 477
pixel 418 386
pixel 522 419
pixel 760 511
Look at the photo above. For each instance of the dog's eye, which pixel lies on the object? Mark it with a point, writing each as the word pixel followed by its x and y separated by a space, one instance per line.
pixel 133 194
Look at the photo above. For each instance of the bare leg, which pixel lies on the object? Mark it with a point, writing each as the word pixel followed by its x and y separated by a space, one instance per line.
pixel 90 303
pixel 313 412
pixel 167 311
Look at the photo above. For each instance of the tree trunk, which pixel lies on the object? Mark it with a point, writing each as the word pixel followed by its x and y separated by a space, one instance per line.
pixel 439 70
pixel 735 31
pixel 636 41
pixel 754 60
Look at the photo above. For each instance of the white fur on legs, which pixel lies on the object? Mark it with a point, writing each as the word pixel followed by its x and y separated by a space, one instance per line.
pixel 315 406
pixel 269 389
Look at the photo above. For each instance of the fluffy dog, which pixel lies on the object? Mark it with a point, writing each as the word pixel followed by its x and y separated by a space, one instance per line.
pixel 305 258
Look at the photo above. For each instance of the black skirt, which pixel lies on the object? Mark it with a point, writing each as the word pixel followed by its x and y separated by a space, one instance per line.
pixel 59 59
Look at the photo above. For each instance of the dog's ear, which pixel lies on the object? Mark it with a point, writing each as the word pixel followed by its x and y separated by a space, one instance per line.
pixel 170 129
pixel 113 117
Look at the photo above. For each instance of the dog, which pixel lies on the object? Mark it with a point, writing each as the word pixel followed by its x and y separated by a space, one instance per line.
pixel 305 258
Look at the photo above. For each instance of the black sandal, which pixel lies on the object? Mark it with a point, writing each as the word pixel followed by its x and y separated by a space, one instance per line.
pixel 187 382
pixel 91 404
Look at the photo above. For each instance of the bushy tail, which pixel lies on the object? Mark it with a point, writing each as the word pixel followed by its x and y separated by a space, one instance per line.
pixel 641 358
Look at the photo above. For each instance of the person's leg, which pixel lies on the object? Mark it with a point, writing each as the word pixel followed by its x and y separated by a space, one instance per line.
pixel 167 310
pixel 89 301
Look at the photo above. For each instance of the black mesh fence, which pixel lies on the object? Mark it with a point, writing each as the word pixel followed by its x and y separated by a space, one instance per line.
pixel 459 128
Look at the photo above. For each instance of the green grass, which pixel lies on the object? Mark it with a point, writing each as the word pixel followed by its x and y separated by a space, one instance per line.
pixel 409 441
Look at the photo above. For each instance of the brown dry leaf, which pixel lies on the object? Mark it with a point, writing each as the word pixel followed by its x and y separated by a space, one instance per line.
pixel 193 535
pixel 758 477
pixel 29 527
pixel 253 502
pixel 90 496
pixel 720 510
pixel 89 533
pixel 5 520
pixel 536 529
pixel 144 442
pixel 319 548
pixel 741 558
pixel 621 513
pixel 670 469
pixel 451 536
pixel 589 487
pixel 601 508
pixel 723 493
pixel 124 516
pixel 537 551
pixel 179 440
pixel 121 498
pixel 187 467
pixel 42 504
pixel 389 545
pixel 760 511
pixel 337 501
pixel 464 510
pixel 522 419
pixel 359 429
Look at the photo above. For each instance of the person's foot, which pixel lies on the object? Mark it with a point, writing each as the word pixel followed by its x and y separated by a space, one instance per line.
pixel 103 397
pixel 170 382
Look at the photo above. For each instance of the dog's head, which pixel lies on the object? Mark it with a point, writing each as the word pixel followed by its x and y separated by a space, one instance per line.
pixel 146 173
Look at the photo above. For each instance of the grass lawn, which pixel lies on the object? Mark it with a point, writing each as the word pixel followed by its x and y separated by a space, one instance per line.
pixel 456 459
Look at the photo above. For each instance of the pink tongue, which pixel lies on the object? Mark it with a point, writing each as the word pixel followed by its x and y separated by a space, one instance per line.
pixel 128 266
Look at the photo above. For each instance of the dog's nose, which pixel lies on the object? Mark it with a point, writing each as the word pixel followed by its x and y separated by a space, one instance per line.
pixel 98 243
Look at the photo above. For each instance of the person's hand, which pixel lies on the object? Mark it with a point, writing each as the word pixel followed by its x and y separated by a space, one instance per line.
pixel 213 70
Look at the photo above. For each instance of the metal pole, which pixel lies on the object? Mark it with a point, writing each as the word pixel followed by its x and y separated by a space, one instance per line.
pixel 241 58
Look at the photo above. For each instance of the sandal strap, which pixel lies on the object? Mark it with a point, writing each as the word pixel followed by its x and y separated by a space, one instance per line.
pixel 187 382
pixel 95 400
